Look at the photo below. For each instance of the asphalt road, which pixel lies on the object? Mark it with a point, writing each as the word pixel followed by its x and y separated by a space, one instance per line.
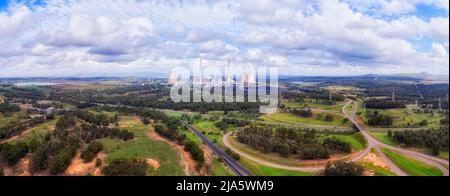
pixel 372 143
pixel 235 166
pixel 377 145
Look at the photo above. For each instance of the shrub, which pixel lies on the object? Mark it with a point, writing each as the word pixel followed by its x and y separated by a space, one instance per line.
pixel 343 169
pixel 337 145
pixel 62 160
pixel 91 151
pixel 126 167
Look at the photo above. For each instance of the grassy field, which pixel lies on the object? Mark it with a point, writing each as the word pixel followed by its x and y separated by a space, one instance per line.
pixel 211 131
pixel 37 132
pixel 384 138
pixel 442 154
pixel 411 166
pixel 356 140
pixel 143 148
pixel 291 118
pixel 261 170
pixel 219 169
pixel 403 118
pixel 313 104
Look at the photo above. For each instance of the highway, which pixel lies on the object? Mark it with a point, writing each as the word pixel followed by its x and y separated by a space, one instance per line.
pixel 235 166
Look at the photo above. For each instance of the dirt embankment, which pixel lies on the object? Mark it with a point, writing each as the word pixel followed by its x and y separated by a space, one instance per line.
pixel 21 168
pixel 186 161
pixel 79 168
pixel 375 160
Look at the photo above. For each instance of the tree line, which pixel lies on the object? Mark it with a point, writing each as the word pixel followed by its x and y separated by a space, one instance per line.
pixel 17 128
pixel 6 108
pixel 190 146
pixel 226 123
pixel 305 143
pixel 376 119
pixel 54 151
pixel 436 140
pixel 384 104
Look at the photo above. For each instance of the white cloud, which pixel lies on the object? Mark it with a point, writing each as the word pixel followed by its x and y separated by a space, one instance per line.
pixel 301 36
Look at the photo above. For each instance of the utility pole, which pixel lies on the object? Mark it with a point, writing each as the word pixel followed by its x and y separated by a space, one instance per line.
pixel 393 96
pixel 331 96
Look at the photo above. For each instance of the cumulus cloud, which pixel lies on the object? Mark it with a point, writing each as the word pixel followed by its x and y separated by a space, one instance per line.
pixel 320 37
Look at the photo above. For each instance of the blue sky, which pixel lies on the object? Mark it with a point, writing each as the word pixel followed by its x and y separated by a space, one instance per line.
pixel 3 4
pixel 142 38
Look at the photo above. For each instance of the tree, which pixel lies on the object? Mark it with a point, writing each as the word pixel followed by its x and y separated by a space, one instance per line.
pixel 91 151
pixel 343 169
pixel 13 153
pixel 334 144
pixel 146 121
pixel 39 160
pixel 126 167
pixel 62 160
pixel 389 133
pixel 98 162
pixel 329 118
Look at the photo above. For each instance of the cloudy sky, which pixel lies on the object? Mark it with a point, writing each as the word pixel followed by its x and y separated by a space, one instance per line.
pixel 147 38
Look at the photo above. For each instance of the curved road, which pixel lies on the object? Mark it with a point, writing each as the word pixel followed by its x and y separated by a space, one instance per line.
pixel 377 145
pixel 372 143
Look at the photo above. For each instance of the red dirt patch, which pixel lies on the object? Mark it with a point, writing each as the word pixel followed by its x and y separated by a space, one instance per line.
pixel 155 164
pixel 79 168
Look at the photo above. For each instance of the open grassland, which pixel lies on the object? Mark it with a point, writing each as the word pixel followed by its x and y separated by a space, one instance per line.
pixel 411 166
pixel 405 118
pixel 356 140
pixel 261 170
pixel 143 148
pixel 313 104
pixel 291 118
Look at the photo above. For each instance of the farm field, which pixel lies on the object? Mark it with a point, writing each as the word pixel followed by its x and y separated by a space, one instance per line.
pixel 411 166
